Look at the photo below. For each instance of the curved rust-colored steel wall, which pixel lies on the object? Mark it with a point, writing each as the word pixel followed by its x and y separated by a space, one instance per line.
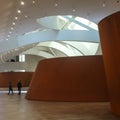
pixel 69 79
pixel 109 29
pixel 14 77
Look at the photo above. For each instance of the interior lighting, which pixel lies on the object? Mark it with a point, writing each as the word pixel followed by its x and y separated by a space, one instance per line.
pixel 22 3
pixel 55 4
pixel 26 16
pixel 104 4
pixel 73 10
pixel 33 2
pixel 13 23
pixel 19 11
pixel 16 18
pixel 11 28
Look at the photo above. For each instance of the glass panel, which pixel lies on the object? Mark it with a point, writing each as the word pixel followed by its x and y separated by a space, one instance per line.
pixel 21 58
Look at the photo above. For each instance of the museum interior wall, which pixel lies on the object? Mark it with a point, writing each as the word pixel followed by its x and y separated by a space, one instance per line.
pixel 109 29
pixel 14 77
pixel 69 79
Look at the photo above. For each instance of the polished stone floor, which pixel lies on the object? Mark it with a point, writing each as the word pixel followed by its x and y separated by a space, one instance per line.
pixel 15 107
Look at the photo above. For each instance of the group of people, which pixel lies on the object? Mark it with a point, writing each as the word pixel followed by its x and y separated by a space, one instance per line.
pixel 19 86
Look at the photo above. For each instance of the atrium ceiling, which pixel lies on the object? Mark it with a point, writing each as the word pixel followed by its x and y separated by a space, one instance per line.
pixel 20 17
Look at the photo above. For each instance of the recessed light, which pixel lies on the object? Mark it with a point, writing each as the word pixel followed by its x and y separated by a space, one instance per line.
pixel 26 16
pixel 33 1
pixel 73 10
pixel 22 3
pixel 104 4
pixel 19 11
pixel 10 32
pixel 16 18
pixel 11 28
pixel 55 4
pixel 13 23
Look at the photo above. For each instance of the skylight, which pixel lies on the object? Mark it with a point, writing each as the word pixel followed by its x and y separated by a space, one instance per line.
pixel 67 22
pixel 73 26
pixel 87 22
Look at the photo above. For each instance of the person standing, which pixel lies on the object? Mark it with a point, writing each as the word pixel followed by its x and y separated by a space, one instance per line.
pixel 10 88
pixel 19 86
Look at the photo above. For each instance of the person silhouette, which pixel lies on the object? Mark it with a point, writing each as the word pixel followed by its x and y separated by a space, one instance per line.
pixel 19 86
pixel 10 88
